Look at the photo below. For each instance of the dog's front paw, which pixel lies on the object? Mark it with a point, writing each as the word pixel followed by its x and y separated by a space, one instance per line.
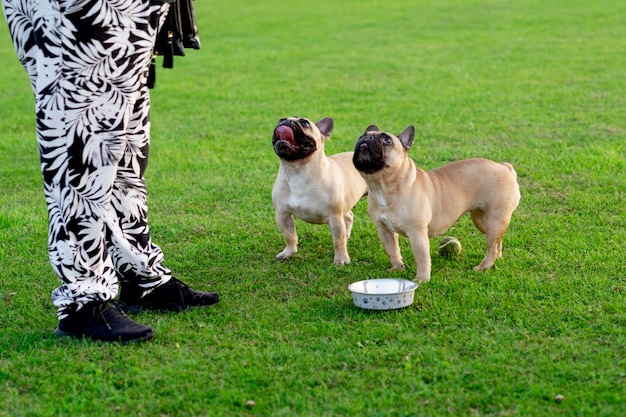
pixel 422 279
pixel 285 254
pixel 399 267
pixel 341 260
pixel 482 267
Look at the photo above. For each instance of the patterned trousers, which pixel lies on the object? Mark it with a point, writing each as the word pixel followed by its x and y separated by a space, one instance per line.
pixel 87 61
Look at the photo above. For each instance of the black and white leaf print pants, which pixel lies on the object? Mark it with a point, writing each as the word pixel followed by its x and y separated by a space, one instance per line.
pixel 87 61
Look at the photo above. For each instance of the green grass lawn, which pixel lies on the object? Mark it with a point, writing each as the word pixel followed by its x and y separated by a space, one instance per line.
pixel 540 84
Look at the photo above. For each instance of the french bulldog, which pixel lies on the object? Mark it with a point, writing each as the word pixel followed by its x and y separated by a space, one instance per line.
pixel 405 200
pixel 313 187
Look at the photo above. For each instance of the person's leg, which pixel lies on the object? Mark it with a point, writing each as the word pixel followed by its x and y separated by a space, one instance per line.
pixel 85 69
pixel 83 136
pixel 136 258
pixel 145 282
pixel 93 133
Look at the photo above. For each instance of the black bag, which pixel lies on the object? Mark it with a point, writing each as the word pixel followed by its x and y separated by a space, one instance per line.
pixel 179 31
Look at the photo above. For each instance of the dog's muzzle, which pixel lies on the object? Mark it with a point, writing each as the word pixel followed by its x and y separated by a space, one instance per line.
pixel 290 143
pixel 369 155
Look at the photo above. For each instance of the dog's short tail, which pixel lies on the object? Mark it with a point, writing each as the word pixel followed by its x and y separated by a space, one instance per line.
pixel 510 167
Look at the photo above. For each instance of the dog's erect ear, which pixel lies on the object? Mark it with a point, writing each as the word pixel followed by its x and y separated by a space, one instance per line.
pixel 407 136
pixel 371 128
pixel 326 126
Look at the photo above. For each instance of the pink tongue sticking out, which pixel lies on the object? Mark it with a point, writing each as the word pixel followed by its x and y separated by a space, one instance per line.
pixel 285 133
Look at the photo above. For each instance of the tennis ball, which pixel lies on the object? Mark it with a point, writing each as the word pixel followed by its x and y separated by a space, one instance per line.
pixel 449 247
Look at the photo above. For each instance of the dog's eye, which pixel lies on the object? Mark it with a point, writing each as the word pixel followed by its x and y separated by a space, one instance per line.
pixel 304 123
pixel 386 140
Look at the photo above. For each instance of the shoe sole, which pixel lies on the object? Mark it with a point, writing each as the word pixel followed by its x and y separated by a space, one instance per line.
pixel 136 309
pixel 60 333
pixel 162 308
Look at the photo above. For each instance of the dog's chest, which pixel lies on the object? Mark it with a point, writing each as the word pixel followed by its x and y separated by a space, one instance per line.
pixel 304 206
pixel 300 199
pixel 381 201
pixel 385 213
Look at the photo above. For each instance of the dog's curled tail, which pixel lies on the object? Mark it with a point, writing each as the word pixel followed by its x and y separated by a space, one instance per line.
pixel 510 167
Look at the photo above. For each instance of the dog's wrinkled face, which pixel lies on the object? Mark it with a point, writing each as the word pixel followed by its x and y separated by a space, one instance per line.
pixel 376 150
pixel 296 137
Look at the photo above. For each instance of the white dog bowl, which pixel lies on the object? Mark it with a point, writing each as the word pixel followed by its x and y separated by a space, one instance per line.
pixel 383 293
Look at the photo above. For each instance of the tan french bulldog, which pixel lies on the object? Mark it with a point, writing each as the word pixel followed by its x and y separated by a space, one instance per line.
pixel 313 187
pixel 406 200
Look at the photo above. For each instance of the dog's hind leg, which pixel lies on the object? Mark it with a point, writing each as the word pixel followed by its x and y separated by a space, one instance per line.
pixel 493 235
pixel 478 217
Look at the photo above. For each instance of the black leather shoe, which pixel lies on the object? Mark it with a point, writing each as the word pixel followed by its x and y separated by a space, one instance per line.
pixel 174 295
pixel 104 322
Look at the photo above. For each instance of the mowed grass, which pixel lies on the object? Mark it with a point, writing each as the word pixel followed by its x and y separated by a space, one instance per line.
pixel 538 84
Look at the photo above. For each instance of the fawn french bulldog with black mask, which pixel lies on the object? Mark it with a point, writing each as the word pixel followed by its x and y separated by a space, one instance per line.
pixel 313 187
pixel 405 200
